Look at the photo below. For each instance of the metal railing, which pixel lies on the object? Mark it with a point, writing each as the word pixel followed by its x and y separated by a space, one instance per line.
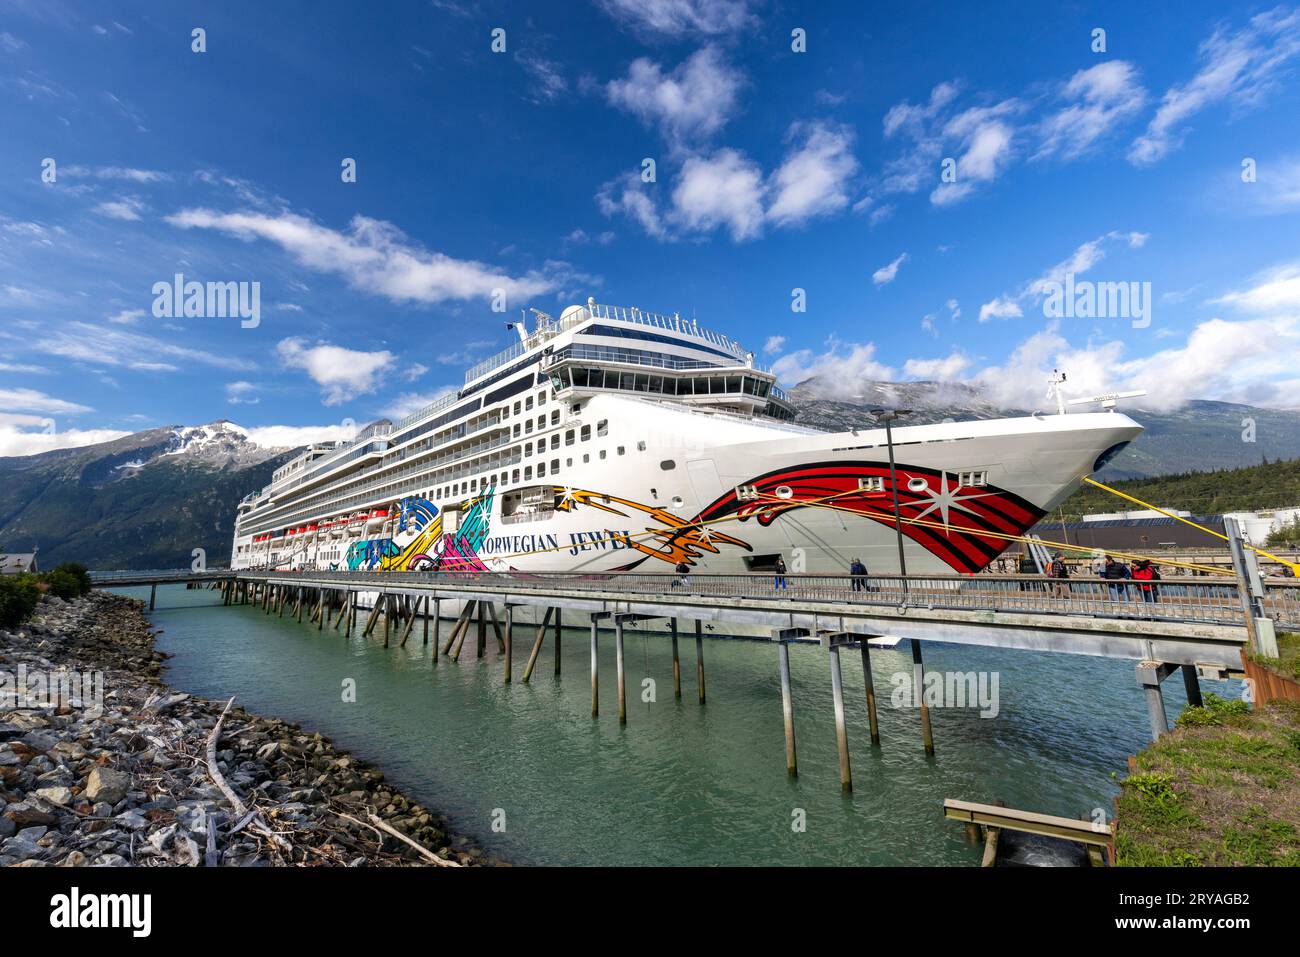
pixel 1188 600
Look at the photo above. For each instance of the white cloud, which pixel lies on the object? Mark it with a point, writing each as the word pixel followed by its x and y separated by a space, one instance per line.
pixel 948 369
pixel 689 104
pixel 773 345
pixel 999 308
pixel 1100 98
pixel 1274 289
pixel 241 392
pixel 628 196
pixel 1085 257
pixel 410 402
pixel 548 82
pixel 125 173
pixel 296 436
pixel 128 208
pixel 23 367
pixel 812 179
pixel 126 317
pixel 85 342
pixel 29 400
pixel 23 435
pixel 725 189
pixel 885 274
pixel 679 18
pixel 372 255
pixel 987 152
pixel 341 373
pixel 1238 67
pixel 841 370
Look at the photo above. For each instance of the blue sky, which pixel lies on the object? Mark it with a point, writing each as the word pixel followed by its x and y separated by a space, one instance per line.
pixel 520 170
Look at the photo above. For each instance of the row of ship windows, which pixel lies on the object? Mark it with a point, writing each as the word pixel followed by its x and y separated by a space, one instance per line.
pixel 472 485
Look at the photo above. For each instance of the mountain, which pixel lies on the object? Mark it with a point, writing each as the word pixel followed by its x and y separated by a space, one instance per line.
pixel 1201 436
pixel 142 501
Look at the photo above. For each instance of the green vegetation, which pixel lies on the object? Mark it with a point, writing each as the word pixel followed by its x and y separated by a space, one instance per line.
pixel 19 594
pixel 1270 485
pixel 1287 662
pixel 18 597
pixel 1221 789
pixel 1288 534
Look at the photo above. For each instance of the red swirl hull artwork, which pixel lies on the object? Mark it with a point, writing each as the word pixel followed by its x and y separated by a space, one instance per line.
pixel 965 527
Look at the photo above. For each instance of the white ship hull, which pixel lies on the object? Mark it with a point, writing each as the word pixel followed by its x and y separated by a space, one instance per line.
pixel 672 485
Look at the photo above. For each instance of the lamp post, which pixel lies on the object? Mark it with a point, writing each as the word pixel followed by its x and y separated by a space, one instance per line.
pixel 888 416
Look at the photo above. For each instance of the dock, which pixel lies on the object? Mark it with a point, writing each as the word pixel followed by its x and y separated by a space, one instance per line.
pixel 1198 627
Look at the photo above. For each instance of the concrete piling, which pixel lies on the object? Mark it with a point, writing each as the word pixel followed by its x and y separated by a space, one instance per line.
pixel 787 708
pixel 699 657
pixel 677 664
pixel 595 668
pixel 622 678
pixel 870 683
pixel 841 729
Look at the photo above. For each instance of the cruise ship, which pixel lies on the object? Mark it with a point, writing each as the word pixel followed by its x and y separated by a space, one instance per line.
pixel 614 439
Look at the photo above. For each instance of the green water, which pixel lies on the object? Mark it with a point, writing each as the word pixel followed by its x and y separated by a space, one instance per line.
pixel 680 783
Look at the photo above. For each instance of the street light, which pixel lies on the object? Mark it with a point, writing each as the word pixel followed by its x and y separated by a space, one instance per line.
pixel 888 416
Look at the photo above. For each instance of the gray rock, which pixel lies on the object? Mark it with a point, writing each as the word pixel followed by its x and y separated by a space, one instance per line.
pixel 106 784
pixel 56 795
pixel 7 828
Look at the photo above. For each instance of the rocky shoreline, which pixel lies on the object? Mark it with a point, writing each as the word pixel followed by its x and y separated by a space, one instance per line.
pixel 131 784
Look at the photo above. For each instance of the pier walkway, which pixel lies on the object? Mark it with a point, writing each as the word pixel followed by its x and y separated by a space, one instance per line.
pixel 1198 626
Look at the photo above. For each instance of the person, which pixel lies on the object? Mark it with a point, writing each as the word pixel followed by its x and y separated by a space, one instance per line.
pixel 859 573
pixel 779 581
pixel 683 571
pixel 1114 572
pixel 1147 575
pixel 1060 573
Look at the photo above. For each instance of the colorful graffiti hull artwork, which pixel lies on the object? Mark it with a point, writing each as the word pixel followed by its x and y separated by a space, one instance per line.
pixel 419 544
pixel 962 526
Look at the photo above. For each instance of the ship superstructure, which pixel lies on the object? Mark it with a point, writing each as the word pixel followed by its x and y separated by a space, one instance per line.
pixel 615 438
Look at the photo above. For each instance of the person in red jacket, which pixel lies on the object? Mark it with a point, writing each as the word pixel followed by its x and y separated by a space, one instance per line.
pixel 1145 574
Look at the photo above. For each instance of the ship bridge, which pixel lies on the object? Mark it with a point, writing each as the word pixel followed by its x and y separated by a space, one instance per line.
pixel 657 356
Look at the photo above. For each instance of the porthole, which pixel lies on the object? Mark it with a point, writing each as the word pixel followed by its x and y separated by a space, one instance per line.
pixel 677 501
pixel 668 465
pixel 784 491
pixel 917 484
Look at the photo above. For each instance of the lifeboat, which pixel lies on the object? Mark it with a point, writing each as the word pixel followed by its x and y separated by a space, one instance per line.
pixel 358 518
pixel 377 516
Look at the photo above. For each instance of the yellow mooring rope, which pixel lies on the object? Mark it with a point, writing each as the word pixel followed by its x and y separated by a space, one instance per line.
pixel 1294 566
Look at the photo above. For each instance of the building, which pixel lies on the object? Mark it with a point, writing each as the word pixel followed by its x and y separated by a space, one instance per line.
pixel 15 563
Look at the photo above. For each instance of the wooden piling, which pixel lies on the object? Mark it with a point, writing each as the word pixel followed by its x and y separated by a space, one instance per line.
pixel 508 652
pixel 496 627
pixel 699 656
pixel 537 645
pixel 841 729
pixel 426 621
pixel 320 611
pixel 373 617
pixel 677 664
pixel 461 624
pixel 387 602
pixel 595 669
pixel 927 735
pixel 437 625
pixel 480 645
pixel 787 709
pixel 153 595
pixel 622 677
pixel 345 610
pixel 1193 685
pixel 464 633
pixel 557 640
pixel 871 691
pixel 406 629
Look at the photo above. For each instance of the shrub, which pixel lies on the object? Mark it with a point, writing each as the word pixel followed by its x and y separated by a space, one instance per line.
pixel 1216 710
pixel 78 571
pixel 62 584
pixel 18 597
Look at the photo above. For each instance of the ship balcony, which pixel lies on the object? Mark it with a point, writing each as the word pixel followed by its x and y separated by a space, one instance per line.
pixel 581 370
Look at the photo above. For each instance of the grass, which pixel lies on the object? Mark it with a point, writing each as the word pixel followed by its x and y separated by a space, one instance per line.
pixel 1221 789
pixel 1287 663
